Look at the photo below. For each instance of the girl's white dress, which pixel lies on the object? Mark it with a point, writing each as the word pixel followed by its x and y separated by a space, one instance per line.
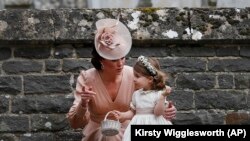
pixel 143 102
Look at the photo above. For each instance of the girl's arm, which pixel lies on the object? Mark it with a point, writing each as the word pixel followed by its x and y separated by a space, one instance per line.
pixel 170 110
pixel 160 106
pixel 122 116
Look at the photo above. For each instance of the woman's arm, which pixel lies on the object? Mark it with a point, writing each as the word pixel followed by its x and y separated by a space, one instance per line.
pixel 78 115
pixel 170 111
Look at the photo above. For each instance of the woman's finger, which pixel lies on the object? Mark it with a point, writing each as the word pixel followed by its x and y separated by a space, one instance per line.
pixel 87 94
pixel 83 88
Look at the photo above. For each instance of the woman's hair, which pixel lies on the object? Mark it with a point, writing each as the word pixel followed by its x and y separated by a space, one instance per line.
pixel 159 78
pixel 95 60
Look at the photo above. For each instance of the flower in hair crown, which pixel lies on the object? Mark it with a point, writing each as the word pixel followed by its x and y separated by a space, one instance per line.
pixel 147 65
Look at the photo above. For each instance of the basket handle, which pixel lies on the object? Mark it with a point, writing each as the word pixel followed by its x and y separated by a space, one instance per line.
pixel 108 114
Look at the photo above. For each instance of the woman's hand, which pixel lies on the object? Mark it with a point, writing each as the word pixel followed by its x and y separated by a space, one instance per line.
pixel 170 111
pixel 87 94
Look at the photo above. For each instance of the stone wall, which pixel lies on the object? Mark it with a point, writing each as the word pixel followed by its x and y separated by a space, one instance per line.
pixel 205 51
pixel 56 4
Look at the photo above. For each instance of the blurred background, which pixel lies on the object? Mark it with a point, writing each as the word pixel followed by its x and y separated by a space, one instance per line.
pixel 54 4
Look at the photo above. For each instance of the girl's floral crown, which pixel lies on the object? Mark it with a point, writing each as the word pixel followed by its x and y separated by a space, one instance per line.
pixel 147 65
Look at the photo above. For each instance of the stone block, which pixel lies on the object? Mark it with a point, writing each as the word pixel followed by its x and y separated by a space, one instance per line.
pixel 50 122
pixel 72 65
pixel 37 52
pixel 14 123
pixel 195 81
pixel 26 26
pixel 18 4
pixel 47 84
pixel 174 65
pixel 220 24
pixel 183 100
pixel 69 135
pixel 242 81
pixel 52 65
pixel 225 81
pixel 63 51
pixel 18 67
pixel 37 137
pixel 220 99
pixel 41 104
pixel 5 53
pixel 10 85
pixel 144 23
pixel 4 104
pixel 229 65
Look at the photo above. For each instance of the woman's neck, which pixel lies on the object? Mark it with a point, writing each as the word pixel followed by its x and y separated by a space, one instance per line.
pixel 109 77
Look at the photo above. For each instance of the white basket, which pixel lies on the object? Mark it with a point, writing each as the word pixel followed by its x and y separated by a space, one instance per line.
pixel 110 127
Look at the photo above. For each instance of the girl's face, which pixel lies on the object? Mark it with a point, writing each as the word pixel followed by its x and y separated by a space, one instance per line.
pixel 113 66
pixel 142 81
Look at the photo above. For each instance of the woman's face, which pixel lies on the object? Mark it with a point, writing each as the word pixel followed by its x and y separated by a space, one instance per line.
pixel 113 66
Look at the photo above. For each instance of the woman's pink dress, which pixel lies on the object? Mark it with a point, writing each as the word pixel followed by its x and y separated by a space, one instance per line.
pixel 91 117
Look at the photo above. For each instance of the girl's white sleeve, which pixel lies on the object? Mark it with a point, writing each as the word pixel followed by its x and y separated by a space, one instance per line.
pixel 133 102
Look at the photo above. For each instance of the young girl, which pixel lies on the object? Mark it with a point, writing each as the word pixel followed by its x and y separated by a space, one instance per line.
pixel 148 101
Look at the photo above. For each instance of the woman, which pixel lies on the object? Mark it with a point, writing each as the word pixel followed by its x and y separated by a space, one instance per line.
pixel 108 86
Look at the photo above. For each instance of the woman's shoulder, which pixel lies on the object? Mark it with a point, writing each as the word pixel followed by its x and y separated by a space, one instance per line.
pixel 91 70
pixel 128 73
pixel 128 69
pixel 88 71
pixel 87 74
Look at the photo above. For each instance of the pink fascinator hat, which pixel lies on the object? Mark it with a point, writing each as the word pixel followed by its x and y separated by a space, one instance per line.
pixel 112 40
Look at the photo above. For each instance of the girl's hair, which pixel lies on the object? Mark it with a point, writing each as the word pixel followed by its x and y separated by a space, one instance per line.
pixel 159 78
pixel 95 60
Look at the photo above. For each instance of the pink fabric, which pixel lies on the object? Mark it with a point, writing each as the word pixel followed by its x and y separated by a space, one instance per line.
pixel 113 39
pixel 102 104
pixel 144 110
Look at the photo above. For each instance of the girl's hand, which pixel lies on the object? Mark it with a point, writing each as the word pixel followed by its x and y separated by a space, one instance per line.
pixel 167 91
pixel 117 114
pixel 87 94
pixel 170 111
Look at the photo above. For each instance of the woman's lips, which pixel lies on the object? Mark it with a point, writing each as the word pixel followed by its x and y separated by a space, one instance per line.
pixel 120 69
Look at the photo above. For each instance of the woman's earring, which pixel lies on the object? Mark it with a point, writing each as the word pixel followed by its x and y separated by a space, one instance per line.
pixel 102 66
